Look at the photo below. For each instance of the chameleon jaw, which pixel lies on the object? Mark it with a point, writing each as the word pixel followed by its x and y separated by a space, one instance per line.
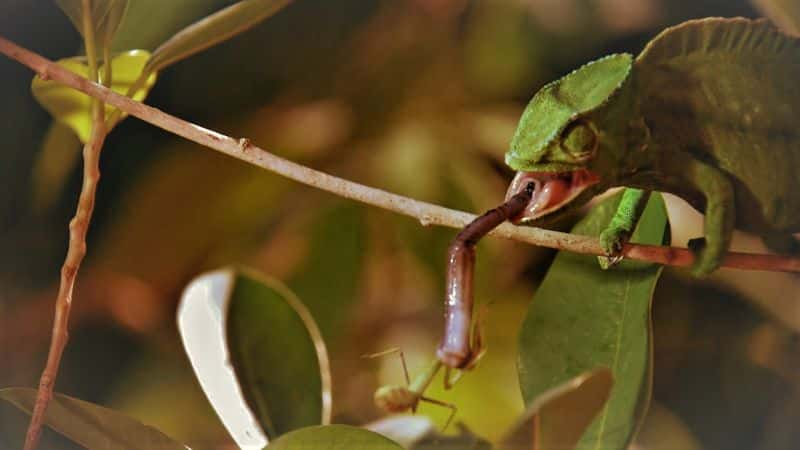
pixel 553 190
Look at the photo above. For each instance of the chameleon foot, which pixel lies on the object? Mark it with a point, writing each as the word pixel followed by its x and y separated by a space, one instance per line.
pixel 707 258
pixel 612 240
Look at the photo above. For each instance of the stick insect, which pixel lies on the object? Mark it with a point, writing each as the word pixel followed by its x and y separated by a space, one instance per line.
pixel 461 346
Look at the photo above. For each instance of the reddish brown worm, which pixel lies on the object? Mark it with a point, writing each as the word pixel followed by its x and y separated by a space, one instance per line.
pixel 455 350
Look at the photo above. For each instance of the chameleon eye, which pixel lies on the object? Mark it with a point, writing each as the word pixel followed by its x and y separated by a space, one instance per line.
pixel 579 140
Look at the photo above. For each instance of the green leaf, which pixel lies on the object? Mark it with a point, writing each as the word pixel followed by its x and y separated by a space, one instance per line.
pixel 333 437
pixel 287 390
pixel 567 409
pixel 257 353
pixel 584 318
pixel 106 17
pixel 90 425
pixel 72 108
pixel 216 28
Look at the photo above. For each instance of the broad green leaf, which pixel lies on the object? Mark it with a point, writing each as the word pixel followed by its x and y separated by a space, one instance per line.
pixel 584 318
pixel 90 425
pixel 785 13
pixel 212 30
pixel 568 410
pixel 58 155
pixel 236 327
pixel 287 390
pixel 106 17
pixel 72 108
pixel 333 437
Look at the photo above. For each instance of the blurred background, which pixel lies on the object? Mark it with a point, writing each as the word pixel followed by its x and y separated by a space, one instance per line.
pixel 418 97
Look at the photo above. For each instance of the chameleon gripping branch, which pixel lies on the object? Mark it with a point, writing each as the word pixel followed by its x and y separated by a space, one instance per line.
pixel 426 213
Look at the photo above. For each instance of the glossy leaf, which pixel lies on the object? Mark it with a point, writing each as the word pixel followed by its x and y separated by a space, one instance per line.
pixel 567 409
pixel 237 327
pixel 584 318
pixel 90 425
pixel 217 27
pixel 333 437
pixel 72 108
pixel 106 17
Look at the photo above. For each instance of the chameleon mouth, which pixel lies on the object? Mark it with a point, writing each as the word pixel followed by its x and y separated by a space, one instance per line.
pixel 552 191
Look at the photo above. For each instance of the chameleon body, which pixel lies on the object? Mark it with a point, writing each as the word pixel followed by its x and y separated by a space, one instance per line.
pixel 708 111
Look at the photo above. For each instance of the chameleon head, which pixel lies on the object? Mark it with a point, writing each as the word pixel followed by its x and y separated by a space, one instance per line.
pixel 559 145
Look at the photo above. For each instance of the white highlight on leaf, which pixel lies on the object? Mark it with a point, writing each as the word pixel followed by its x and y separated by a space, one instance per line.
pixel 202 315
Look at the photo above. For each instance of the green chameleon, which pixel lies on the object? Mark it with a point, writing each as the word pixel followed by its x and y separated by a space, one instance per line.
pixel 709 111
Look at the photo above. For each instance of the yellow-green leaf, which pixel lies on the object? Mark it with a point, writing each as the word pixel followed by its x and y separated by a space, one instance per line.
pixel 90 425
pixel 212 30
pixel 72 108
pixel 584 318
pixel 106 17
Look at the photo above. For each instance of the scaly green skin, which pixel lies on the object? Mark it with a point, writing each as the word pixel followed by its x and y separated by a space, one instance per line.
pixel 708 112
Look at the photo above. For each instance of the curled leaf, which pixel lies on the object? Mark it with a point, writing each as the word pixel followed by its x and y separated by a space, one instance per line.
pixel 236 327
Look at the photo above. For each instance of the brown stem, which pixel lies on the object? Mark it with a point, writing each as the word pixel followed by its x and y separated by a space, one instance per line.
pixel 78 227
pixel 426 213
pixel 455 349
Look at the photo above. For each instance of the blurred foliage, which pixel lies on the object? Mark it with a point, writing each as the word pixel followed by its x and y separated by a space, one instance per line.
pixel 419 97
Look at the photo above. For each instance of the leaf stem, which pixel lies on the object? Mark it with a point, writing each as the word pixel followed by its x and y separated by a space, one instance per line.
pixel 426 213
pixel 78 228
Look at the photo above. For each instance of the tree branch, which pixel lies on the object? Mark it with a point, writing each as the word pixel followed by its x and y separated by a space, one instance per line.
pixel 78 228
pixel 426 213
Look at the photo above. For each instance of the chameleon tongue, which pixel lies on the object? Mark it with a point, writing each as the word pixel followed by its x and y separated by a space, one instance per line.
pixel 549 192
pixel 552 190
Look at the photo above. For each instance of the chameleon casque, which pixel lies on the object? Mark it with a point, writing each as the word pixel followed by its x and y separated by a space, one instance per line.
pixel 708 111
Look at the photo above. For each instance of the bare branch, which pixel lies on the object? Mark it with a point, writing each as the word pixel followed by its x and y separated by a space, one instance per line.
pixel 426 213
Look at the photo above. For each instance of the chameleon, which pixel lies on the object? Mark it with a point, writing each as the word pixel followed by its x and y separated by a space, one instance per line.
pixel 708 111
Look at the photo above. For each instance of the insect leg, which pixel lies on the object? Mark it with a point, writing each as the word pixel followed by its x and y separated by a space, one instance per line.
pixel 452 407
pixel 392 351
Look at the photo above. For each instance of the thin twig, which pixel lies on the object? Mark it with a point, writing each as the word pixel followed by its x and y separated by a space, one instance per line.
pixel 78 228
pixel 426 213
